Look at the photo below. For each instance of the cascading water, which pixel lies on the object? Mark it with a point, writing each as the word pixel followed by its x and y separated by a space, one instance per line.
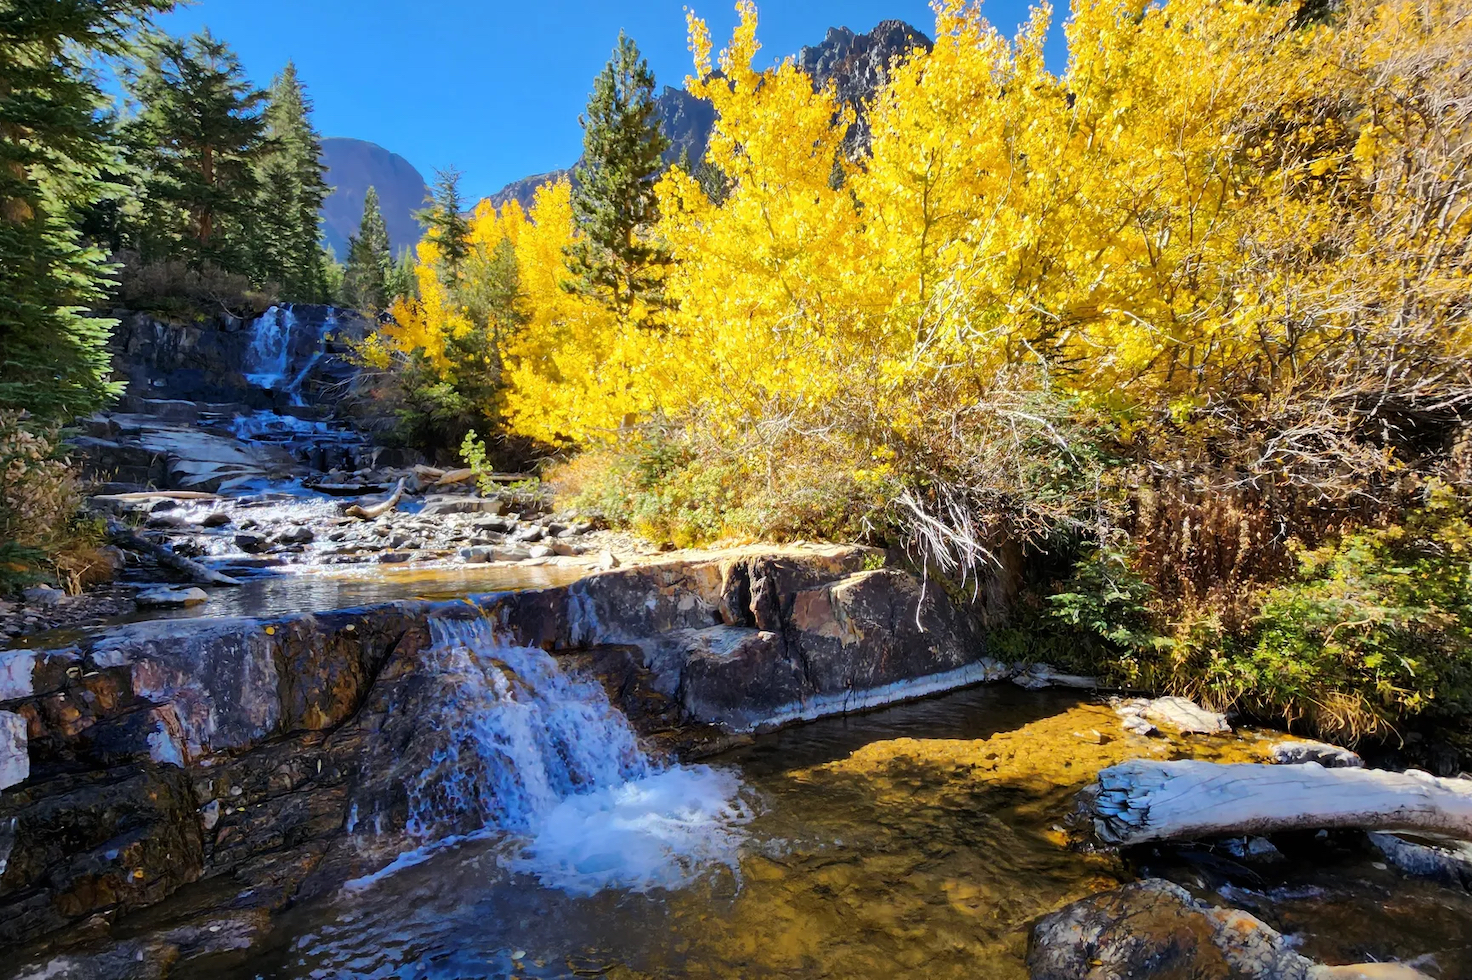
pixel 294 389
pixel 270 347
pixel 516 745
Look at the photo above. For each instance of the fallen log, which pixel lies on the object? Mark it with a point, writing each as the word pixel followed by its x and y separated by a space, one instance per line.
pixel 371 511
pixel 1141 800
pixel 124 538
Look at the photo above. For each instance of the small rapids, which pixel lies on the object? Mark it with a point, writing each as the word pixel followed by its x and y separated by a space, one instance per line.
pixel 520 747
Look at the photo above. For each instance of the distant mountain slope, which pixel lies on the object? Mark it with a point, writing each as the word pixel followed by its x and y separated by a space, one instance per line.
pixel 352 167
pixel 857 65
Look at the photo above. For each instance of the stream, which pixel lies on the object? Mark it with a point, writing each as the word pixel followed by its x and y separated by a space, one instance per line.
pixel 920 840
pixel 433 794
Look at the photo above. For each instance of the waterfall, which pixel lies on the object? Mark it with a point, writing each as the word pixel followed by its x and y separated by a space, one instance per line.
pixel 518 746
pixel 294 389
pixel 270 347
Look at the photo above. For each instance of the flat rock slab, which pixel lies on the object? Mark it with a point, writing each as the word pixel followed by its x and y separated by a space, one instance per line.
pixel 171 598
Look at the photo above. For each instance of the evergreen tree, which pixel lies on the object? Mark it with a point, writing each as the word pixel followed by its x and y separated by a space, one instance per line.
pixel 401 281
pixel 613 196
pixel 288 228
pixel 53 148
pixel 445 222
pixel 197 140
pixel 370 263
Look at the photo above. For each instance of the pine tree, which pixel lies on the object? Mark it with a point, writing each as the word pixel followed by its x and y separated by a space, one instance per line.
pixel 288 232
pixel 197 139
pixel 401 281
pixel 613 198
pixel 54 146
pixel 445 222
pixel 370 263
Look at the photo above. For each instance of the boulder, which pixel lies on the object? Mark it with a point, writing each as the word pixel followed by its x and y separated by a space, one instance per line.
pixel 1141 715
pixel 1153 928
pixel 169 598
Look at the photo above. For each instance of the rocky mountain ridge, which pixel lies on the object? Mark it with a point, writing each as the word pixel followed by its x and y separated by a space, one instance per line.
pixel 857 65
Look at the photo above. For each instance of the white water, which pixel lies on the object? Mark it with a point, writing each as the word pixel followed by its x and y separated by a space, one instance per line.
pixel 270 347
pixel 533 751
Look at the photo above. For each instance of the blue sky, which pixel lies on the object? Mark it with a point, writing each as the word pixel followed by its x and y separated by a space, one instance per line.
pixel 495 87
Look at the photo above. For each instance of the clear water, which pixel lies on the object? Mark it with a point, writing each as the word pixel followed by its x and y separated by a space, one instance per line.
pixel 917 841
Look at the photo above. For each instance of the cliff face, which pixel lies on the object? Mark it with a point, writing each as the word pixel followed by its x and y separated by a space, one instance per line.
pixel 856 64
pixel 352 167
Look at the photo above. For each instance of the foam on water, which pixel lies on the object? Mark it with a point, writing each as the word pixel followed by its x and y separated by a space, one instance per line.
pixel 661 831
pixel 522 747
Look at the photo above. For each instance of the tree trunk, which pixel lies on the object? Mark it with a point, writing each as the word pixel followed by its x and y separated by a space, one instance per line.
pixel 1142 800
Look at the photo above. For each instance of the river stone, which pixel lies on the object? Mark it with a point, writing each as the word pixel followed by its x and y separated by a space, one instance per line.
pixel 1141 715
pixel 15 758
pixel 217 518
pixel 171 598
pixel 1155 929
pixel 1326 755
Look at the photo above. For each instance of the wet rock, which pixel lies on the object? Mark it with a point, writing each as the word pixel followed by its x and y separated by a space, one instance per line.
pixel 43 596
pixel 15 759
pixel 251 544
pixel 475 554
pixel 171 598
pixel 218 518
pixel 1153 928
pixel 1441 859
pixel 118 839
pixel 297 535
pixel 737 677
pixel 1326 755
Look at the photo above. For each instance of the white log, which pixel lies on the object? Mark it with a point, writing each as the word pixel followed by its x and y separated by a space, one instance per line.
pixel 1142 800
pixel 378 509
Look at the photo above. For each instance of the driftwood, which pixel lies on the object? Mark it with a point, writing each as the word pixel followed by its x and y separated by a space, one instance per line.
pixel 377 510
pixel 141 495
pixel 124 538
pixel 1142 800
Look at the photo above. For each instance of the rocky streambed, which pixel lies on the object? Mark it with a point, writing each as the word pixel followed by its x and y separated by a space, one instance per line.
pixel 512 784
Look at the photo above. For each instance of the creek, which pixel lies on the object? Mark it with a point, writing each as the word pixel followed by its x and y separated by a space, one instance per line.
pixel 409 746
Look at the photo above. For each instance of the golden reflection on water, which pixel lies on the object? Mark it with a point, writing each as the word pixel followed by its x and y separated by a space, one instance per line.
pixel 920 857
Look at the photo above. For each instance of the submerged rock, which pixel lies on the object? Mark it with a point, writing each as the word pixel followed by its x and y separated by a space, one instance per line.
pixel 1326 755
pixel 171 598
pixel 1153 928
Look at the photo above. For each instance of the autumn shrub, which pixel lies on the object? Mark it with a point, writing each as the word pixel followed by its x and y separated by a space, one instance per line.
pixel 175 290
pixel 42 535
pixel 1198 301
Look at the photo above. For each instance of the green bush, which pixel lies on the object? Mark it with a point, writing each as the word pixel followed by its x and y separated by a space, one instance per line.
pixel 1374 630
